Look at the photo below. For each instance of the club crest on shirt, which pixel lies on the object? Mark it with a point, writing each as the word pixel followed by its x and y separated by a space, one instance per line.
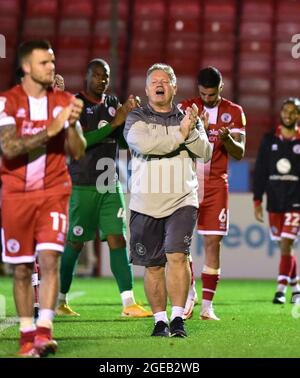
pixel 21 113
pixel 56 111
pixel 112 111
pixel 226 117
pixel 296 149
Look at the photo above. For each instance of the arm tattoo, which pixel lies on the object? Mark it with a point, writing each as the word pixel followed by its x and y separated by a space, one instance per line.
pixel 13 145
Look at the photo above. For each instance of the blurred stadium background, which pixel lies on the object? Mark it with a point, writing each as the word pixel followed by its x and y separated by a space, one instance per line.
pixel 249 41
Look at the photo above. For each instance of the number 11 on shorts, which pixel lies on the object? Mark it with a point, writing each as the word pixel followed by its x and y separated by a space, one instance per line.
pixel 59 220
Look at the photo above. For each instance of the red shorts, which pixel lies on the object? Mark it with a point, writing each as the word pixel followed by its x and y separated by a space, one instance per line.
pixel 33 224
pixel 284 225
pixel 213 218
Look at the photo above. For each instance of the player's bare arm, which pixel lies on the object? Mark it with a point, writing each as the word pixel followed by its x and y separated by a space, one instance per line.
pixel 233 142
pixel 13 145
pixel 75 141
pixel 131 103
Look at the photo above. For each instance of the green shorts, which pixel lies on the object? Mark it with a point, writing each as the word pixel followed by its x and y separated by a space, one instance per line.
pixel 90 211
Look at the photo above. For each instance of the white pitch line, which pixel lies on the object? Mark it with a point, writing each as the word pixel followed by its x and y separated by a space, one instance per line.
pixel 76 294
pixel 12 321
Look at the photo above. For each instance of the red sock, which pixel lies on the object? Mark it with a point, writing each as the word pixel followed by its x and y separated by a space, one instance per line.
pixel 27 337
pixel 44 331
pixel 293 276
pixel 36 294
pixel 209 285
pixel 285 269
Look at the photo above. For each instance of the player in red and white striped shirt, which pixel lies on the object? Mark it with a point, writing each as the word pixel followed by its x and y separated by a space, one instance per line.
pixel 37 123
pixel 225 124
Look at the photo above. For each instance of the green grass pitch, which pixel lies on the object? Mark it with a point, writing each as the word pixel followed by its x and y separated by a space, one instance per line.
pixel 250 326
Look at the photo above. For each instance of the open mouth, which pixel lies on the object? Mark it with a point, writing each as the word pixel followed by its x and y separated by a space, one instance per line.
pixel 159 92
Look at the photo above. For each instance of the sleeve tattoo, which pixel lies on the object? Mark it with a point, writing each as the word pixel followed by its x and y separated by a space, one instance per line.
pixel 13 145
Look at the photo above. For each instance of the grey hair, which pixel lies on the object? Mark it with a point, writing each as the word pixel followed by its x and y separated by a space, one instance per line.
pixel 163 67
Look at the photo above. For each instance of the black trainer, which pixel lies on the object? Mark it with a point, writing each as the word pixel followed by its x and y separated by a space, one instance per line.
pixel 279 298
pixel 177 327
pixel 295 298
pixel 161 329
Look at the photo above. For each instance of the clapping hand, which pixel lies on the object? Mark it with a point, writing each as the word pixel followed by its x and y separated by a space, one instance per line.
pixel 131 103
pixel 204 116
pixel 76 109
pixel 189 121
pixel 59 121
pixel 224 132
pixel 59 82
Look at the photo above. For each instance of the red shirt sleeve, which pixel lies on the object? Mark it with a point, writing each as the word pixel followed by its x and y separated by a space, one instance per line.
pixel 239 120
pixel 7 110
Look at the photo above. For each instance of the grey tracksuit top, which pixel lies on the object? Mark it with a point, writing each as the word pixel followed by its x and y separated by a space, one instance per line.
pixel 163 163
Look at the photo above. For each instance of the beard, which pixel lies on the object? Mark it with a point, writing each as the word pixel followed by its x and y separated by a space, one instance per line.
pixel 45 81
pixel 288 126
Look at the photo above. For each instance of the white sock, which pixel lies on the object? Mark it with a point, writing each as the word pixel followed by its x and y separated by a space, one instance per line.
pixel 192 291
pixel 206 304
pixel 45 318
pixel 26 324
pixel 62 297
pixel 282 288
pixel 161 316
pixel 177 312
pixel 208 270
pixel 295 284
pixel 127 297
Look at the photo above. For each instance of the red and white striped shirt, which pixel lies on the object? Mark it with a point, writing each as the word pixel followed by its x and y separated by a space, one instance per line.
pixel 43 170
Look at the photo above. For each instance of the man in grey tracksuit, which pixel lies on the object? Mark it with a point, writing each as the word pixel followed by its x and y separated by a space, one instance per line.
pixel 164 144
